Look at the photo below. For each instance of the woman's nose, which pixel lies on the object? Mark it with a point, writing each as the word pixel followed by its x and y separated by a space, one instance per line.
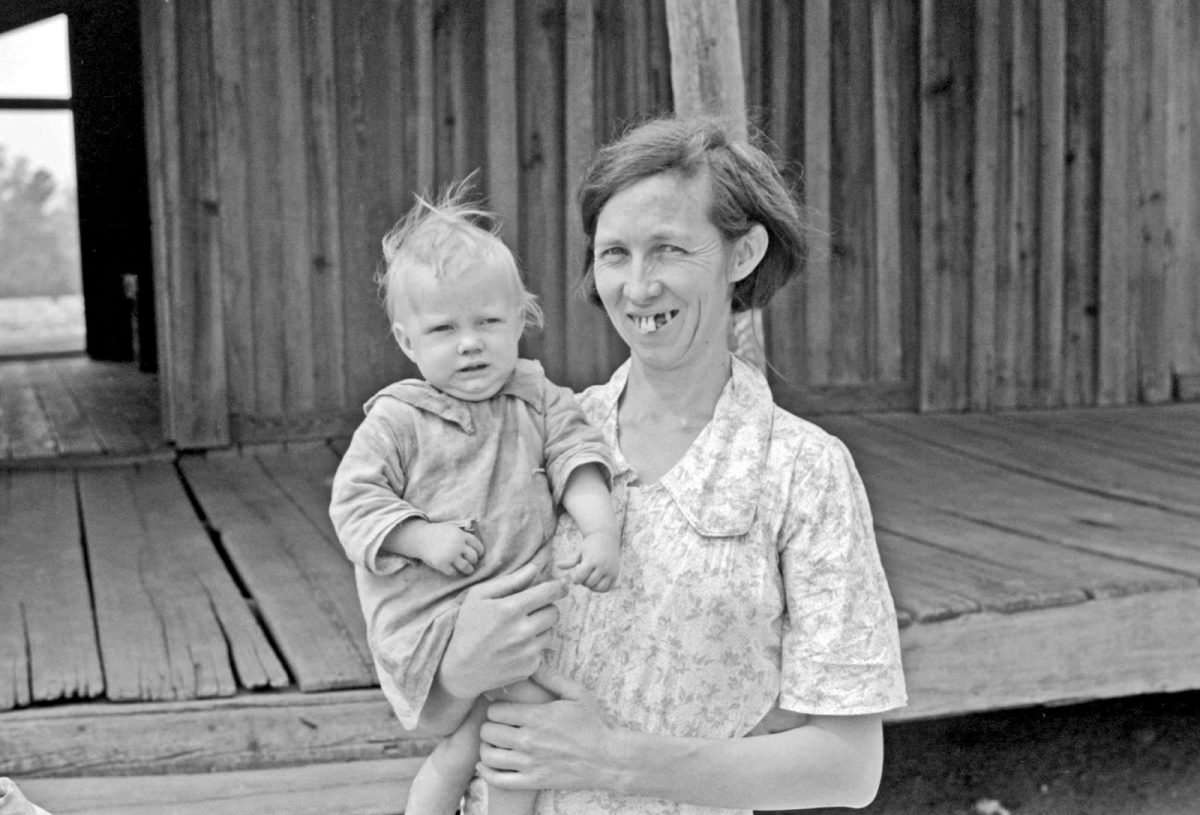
pixel 642 284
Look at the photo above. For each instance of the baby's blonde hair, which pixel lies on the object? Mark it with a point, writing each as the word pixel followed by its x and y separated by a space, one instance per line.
pixel 447 237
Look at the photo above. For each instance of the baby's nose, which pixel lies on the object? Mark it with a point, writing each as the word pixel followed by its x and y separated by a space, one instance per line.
pixel 469 344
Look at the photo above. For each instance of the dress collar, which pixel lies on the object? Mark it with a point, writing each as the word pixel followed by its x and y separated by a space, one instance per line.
pixel 717 483
pixel 524 384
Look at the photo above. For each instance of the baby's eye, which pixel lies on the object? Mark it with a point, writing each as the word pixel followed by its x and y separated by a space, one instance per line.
pixel 440 328
pixel 492 320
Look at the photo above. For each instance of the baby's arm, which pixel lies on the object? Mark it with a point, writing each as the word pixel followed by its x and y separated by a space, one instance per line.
pixel 586 497
pixel 446 547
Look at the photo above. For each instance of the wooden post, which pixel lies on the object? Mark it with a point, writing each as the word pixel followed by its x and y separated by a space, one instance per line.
pixel 706 77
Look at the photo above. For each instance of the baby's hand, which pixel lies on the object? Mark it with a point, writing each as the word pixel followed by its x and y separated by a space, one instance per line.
pixel 598 563
pixel 449 549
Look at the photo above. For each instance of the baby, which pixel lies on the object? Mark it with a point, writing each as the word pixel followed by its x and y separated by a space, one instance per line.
pixel 455 478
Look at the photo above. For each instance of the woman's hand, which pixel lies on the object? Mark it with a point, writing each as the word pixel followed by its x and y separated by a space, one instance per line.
pixel 503 627
pixel 567 744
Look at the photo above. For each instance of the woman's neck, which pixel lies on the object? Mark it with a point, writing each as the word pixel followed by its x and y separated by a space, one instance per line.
pixel 682 397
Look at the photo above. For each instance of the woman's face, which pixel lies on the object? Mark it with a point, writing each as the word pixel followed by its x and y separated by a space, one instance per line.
pixel 664 272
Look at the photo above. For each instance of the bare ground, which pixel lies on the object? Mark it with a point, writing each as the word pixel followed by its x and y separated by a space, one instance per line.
pixel 1131 756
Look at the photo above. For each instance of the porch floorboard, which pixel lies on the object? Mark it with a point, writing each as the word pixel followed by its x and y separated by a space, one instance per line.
pixel 197 616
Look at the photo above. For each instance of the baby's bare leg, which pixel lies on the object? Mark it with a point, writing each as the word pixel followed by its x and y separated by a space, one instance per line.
pixel 438 786
pixel 516 802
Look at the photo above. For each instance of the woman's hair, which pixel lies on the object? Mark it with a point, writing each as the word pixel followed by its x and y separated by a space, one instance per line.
pixel 747 188
pixel 451 237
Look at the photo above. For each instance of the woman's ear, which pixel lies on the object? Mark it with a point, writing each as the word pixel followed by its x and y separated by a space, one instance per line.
pixel 748 252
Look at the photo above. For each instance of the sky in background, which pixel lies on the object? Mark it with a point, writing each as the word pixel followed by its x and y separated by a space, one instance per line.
pixel 33 62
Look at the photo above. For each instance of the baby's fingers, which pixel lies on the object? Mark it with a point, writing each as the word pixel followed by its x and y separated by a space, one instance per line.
pixel 465 563
pixel 601 581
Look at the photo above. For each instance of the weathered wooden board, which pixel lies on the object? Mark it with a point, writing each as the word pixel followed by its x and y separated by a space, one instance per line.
pixel 934 583
pixel 348 788
pixel 69 422
pixel 248 731
pixel 171 622
pixel 1021 444
pixel 1144 643
pixel 298 580
pixel 24 429
pixel 922 476
pixel 47 649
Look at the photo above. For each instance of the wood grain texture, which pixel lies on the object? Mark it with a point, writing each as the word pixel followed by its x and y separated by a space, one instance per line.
pixel 222 735
pixel 302 585
pixel 993 497
pixel 171 622
pixel 349 788
pixel 49 649
pixel 1146 643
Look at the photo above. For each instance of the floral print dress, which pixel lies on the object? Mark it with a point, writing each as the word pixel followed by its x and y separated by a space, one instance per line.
pixel 750 579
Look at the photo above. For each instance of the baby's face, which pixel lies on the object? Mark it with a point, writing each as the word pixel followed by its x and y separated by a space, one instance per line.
pixel 463 332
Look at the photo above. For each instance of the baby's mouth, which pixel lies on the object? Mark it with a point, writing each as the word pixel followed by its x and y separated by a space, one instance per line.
pixel 474 366
pixel 650 323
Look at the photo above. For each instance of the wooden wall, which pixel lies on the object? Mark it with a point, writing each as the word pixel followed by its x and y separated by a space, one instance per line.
pixel 1008 193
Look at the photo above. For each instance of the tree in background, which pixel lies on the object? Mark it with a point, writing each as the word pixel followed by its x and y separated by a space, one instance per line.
pixel 39 232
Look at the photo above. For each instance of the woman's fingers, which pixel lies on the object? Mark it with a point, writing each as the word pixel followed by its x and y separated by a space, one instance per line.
pixel 507 584
pixel 540 596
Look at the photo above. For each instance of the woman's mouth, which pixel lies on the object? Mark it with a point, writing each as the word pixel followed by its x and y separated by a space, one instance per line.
pixel 649 323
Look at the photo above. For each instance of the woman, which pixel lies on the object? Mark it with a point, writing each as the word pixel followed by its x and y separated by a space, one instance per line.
pixel 751 599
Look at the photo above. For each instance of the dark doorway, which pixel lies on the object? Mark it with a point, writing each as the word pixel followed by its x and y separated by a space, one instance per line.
pixel 111 173
pixel 110 155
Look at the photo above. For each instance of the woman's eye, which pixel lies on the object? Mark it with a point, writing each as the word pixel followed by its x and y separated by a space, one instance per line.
pixel 611 254
pixel 670 249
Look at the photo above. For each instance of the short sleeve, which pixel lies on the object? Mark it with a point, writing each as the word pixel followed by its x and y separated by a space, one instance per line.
pixel 570 440
pixel 841 644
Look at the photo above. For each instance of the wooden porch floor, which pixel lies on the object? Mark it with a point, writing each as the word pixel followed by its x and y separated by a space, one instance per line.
pixel 196 614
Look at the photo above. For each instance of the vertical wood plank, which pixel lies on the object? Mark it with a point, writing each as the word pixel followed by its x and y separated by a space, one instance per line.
pixel 230 47
pixel 542 192
pixel 587 359
pixel 1183 185
pixel 200 386
pixel 317 58
pixel 888 348
pixel 1151 99
pixel 158 76
pixel 991 191
pixel 1052 61
pixel 1117 250
pixel 947 111
pixel 852 204
pixel 706 60
pixel 266 171
pixel 294 277
pixel 366 47
pixel 503 159
pixel 1081 239
pixel 818 129
pixel 423 39
pixel 1015 291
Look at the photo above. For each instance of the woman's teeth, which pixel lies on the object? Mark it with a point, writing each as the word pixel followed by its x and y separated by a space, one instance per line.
pixel 652 322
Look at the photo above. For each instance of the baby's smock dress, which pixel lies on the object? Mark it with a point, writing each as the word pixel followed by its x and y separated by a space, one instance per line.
pixel 498 466
pixel 750 578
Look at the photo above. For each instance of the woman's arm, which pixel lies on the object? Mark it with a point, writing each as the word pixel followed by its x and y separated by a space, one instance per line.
pixel 830 761
pixel 503 627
